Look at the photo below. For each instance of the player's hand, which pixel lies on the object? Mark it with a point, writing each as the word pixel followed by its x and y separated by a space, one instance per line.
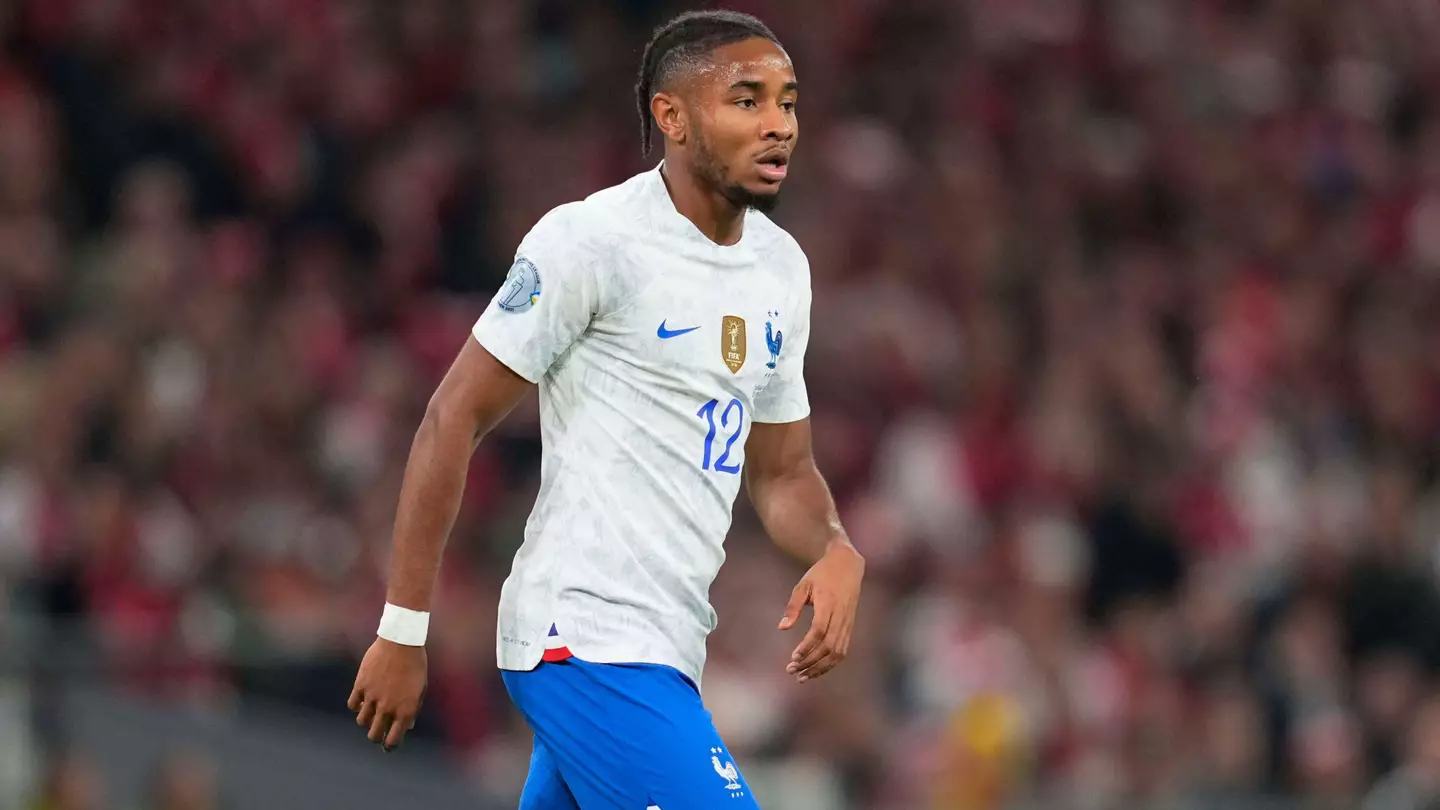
pixel 832 586
pixel 388 691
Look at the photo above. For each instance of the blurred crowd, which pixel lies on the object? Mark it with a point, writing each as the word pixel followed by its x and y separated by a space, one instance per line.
pixel 179 781
pixel 1125 372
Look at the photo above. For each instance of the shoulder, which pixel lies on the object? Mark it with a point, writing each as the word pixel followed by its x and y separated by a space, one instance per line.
pixel 574 226
pixel 592 229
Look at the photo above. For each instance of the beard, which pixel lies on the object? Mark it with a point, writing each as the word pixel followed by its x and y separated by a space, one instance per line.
pixel 712 171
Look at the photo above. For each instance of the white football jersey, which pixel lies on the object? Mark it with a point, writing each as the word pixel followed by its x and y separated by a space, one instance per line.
pixel 655 350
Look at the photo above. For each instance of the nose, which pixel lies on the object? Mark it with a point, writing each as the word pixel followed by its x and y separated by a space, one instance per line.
pixel 776 124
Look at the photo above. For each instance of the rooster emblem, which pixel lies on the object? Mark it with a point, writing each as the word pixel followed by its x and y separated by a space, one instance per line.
pixel 774 339
pixel 727 771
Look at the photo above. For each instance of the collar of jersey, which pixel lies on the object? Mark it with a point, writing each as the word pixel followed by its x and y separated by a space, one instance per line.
pixel 669 218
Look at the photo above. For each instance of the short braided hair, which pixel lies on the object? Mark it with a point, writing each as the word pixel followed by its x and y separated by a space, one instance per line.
pixel 682 42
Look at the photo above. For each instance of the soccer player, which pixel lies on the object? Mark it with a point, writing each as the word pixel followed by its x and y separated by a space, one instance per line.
pixel 665 322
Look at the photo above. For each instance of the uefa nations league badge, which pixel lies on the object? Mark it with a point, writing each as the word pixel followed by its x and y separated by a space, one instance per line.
pixel 522 287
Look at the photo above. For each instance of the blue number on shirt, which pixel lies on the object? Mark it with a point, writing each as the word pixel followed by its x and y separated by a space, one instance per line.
pixel 720 465
pixel 708 411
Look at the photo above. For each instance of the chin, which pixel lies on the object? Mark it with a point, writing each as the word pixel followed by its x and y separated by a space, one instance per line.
pixel 762 199
pixel 765 203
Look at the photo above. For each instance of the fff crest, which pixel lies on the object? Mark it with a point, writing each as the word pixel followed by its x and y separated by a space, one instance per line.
pixel 732 342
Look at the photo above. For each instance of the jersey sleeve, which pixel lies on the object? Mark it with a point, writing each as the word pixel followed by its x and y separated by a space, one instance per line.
pixel 547 300
pixel 784 398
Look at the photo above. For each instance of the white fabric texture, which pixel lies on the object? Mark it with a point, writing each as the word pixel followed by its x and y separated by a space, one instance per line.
pixel 652 347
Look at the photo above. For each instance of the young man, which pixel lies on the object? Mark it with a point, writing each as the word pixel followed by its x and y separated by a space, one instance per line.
pixel 665 321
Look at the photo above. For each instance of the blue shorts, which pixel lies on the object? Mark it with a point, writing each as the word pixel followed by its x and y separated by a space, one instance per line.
pixel 622 737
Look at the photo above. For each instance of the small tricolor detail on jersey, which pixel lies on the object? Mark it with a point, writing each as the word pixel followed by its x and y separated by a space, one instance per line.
pixel 555 649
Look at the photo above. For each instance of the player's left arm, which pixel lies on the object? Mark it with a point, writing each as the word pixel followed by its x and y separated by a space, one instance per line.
pixel 799 514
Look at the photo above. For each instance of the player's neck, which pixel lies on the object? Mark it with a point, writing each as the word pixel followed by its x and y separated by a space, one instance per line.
pixel 719 219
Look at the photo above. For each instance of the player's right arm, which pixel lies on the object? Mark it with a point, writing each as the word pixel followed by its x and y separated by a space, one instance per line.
pixel 550 296
pixel 476 393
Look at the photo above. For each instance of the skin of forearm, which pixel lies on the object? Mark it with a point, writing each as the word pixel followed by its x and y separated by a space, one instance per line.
pixel 429 501
pixel 798 512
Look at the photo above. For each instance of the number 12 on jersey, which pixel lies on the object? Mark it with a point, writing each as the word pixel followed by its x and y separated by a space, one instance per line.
pixel 708 412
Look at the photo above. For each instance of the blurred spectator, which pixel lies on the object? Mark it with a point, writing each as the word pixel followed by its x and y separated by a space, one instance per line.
pixel 72 783
pixel 1231 756
pixel 185 781
pixel 1415 784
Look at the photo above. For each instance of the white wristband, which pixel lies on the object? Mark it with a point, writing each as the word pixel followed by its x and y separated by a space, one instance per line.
pixel 403 625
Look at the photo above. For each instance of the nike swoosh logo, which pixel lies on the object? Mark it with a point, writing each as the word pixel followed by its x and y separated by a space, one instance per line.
pixel 666 334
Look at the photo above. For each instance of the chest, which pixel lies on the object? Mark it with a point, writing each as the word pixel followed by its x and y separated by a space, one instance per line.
pixel 710 331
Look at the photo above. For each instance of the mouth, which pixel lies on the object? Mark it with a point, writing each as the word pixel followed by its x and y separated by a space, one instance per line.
pixel 774 166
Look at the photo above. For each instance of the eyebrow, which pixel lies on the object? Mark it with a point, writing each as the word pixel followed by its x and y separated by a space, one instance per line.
pixel 751 84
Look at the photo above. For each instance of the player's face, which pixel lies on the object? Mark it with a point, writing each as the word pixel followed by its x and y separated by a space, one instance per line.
pixel 748 128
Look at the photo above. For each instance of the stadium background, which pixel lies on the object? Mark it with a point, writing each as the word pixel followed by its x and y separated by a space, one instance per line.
pixel 1125 371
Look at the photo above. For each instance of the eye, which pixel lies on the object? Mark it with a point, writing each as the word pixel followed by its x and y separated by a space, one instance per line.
pixel 787 106
pixel 747 103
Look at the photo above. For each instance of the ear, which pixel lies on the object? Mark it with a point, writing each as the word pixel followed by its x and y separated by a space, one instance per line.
pixel 671 116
